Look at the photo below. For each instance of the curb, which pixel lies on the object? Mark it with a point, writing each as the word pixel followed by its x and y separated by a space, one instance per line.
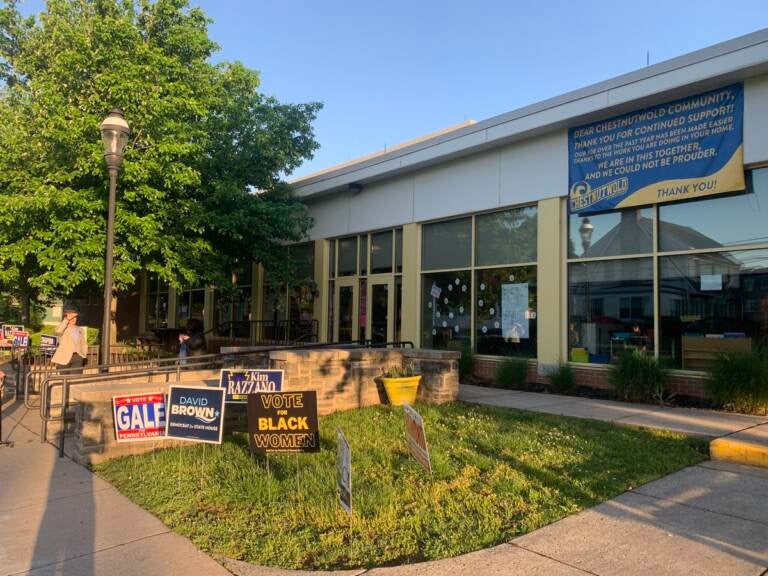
pixel 740 452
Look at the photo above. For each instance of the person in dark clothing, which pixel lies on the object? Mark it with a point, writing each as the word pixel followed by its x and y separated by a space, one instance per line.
pixel 192 340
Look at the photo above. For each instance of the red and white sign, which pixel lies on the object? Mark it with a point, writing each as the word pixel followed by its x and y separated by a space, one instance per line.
pixel 139 417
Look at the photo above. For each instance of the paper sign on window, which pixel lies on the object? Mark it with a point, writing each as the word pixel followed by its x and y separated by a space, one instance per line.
pixel 711 282
pixel 514 306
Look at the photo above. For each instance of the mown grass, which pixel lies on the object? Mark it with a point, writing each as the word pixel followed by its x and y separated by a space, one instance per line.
pixel 497 474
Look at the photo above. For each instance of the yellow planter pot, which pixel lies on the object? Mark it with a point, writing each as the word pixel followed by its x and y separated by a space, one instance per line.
pixel 401 390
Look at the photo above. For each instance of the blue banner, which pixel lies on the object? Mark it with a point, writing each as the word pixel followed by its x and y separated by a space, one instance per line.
pixel 683 149
pixel 243 381
pixel 195 413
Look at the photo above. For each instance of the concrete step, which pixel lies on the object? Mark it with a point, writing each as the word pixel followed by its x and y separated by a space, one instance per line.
pixel 749 447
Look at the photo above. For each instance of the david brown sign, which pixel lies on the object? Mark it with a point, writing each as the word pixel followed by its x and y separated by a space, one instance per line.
pixel 195 413
pixel 684 149
pixel 139 417
pixel 343 470
pixel 416 437
pixel 239 383
pixel 283 422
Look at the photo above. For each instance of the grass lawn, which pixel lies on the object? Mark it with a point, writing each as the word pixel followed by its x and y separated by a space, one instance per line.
pixel 497 474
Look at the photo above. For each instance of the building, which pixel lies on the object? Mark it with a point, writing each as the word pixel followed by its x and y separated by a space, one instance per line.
pixel 479 236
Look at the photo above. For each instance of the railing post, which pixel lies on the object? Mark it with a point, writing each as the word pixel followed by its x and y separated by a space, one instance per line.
pixel 64 396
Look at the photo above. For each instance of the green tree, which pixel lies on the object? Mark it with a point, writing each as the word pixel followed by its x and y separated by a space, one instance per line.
pixel 201 191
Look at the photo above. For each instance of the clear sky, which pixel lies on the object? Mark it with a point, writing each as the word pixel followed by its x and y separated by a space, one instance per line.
pixel 392 70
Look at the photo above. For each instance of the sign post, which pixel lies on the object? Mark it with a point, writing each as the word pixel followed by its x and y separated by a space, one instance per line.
pixel 417 437
pixel 284 422
pixel 344 470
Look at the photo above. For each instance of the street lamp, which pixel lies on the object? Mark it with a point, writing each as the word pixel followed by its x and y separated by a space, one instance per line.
pixel 585 231
pixel 114 135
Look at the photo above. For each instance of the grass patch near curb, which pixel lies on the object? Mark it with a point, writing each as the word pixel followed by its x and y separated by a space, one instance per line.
pixel 498 473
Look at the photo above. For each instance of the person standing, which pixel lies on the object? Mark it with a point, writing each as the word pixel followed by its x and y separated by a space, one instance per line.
pixel 73 342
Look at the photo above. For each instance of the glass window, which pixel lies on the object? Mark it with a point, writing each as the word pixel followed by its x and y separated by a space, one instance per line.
pixel 232 312
pixel 446 310
pixel 446 245
pixel 363 254
pixel 190 304
pixel 399 250
pixel 348 256
pixel 505 311
pixel 157 303
pixel 610 308
pixel 331 293
pixel 506 237
pixel 719 221
pixel 712 303
pixel 381 252
pixel 303 257
pixel 612 234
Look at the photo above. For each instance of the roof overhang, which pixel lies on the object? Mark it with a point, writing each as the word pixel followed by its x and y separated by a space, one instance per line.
pixel 731 61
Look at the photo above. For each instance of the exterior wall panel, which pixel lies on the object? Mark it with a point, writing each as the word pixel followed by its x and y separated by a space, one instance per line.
pixel 756 120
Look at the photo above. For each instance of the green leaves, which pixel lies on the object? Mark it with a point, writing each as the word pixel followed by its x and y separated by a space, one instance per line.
pixel 204 140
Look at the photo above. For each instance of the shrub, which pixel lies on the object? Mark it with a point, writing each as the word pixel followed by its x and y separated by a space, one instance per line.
pixel 739 381
pixel 638 377
pixel 562 380
pixel 466 363
pixel 511 373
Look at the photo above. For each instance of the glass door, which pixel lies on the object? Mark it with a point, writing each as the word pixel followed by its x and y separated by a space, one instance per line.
pixel 381 306
pixel 345 310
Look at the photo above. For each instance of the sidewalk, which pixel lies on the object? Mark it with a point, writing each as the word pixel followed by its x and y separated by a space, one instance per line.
pixel 58 518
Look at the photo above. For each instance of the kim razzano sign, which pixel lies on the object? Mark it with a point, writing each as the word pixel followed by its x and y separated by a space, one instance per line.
pixel 284 422
pixel 240 382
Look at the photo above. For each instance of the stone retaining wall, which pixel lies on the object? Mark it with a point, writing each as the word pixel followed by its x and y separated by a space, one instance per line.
pixel 343 380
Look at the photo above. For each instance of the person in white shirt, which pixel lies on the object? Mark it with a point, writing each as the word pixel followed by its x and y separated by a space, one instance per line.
pixel 73 344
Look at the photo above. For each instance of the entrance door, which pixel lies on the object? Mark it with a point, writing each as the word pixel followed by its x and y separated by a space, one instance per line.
pixel 345 310
pixel 381 307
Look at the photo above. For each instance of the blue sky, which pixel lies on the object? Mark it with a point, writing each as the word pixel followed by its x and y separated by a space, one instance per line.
pixel 389 71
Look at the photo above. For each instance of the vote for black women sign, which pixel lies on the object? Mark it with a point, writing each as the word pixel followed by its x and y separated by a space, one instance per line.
pixel 283 422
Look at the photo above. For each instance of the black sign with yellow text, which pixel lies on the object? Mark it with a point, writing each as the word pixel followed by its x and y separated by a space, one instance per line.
pixel 283 422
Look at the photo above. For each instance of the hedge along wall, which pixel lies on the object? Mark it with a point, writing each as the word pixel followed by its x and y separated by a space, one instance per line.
pixel 343 380
pixel 681 383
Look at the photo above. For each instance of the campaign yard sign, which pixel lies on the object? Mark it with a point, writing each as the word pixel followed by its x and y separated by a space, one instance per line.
pixel 283 422
pixel 48 343
pixel 241 382
pixel 195 413
pixel 21 339
pixel 9 329
pixel 416 437
pixel 343 470
pixel 139 417
pixel 678 150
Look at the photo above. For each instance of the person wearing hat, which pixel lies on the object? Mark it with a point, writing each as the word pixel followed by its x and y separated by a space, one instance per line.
pixel 73 342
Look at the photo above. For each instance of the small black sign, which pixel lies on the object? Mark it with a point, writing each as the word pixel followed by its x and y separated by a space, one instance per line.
pixel 283 422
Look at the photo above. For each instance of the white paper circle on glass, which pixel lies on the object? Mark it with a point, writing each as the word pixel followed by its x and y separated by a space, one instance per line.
pixel 511 277
pixel 429 304
pixel 450 314
pixel 484 329
pixel 457 281
pixel 491 311
pixel 482 286
pixel 461 309
pixel 434 332
pixel 456 328
pixel 450 287
pixel 480 303
pixel 445 300
pixel 445 324
pixel 464 288
pixel 495 324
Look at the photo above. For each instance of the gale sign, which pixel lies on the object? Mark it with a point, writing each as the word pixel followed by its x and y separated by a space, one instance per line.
pixel 139 417
pixel 684 149
pixel 283 422
pixel 195 413
pixel 239 383
pixel 21 339
pixel 416 437
pixel 344 470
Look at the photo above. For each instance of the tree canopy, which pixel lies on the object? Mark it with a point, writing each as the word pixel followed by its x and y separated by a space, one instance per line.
pixel 201 191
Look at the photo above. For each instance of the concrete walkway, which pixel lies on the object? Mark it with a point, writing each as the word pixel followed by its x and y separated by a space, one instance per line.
pixel 57 518
pixel 708 520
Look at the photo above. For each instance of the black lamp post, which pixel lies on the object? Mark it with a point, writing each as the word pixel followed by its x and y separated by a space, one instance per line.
pixel 114 135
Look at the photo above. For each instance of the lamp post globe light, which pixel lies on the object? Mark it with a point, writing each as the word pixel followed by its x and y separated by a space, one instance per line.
pixel 585 231
pixel 114 135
